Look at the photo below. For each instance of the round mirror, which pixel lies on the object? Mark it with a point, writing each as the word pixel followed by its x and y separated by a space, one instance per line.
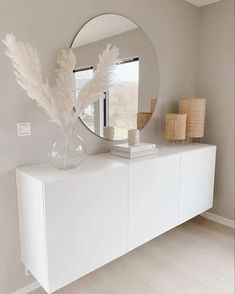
pixel 130 103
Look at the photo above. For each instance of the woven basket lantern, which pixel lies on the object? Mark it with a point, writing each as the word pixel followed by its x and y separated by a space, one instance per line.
pixel 195 110
pixel 144 117
pixel 175 126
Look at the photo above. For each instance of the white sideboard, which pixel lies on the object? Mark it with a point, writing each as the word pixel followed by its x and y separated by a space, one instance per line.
pixel 73 222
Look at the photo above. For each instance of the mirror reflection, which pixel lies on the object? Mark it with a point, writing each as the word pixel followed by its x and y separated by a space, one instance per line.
pixel 128 104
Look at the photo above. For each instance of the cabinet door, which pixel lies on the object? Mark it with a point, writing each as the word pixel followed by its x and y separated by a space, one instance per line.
pixel 154 195
pixel 86 223
pixel 196 182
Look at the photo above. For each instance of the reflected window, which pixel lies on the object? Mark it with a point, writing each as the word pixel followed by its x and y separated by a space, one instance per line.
pixel 118 107
pixel 82 76
pixel 122 99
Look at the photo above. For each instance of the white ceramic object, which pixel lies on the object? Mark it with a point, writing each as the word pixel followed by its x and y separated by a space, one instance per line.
pixel 73 222
pixel 133 137
pixel 109 132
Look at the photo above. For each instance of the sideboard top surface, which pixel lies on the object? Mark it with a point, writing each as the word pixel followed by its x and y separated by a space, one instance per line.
pixel 163 151
pixel 45 172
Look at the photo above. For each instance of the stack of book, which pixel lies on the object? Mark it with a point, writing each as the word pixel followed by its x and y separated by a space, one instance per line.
pixel 127 151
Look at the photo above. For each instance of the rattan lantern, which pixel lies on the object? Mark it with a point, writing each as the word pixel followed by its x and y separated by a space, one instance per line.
pixel 195 110
pixel 144 117
pixel 175 126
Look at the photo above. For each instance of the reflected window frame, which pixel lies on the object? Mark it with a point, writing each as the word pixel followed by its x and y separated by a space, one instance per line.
pixel 106 94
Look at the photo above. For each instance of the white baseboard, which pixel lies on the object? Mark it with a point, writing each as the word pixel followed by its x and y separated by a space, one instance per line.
pixel 27 289
pixel 219 219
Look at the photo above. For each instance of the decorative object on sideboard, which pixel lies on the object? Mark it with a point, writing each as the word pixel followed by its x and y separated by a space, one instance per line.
pixel 133 148
pixel 144 117
pixel 109 132
pixel 133 137
pixel 134 151
pixel 195 110
pixel 59 102
pixel 175 126
pixel 68 150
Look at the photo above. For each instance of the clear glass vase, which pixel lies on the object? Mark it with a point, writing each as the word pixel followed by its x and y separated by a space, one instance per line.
pixel 69 149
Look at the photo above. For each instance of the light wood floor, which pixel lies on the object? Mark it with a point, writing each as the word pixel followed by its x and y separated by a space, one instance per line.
pixel 195 258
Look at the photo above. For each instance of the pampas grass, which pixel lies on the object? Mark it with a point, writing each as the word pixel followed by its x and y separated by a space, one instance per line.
pixel 66 62
pixel 63 110
pixel 27 67
pixel 101 82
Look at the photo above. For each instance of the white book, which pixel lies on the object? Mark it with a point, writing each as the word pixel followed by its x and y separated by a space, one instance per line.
pixel 135 154
pixel 134 148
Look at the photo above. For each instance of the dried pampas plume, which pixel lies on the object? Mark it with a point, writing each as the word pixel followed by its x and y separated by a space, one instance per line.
pixel 64 110
pixel 102 80
pixel 27 67
pixel 65 85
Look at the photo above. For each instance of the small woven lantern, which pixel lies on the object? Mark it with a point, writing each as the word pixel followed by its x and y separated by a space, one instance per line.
pixel 175 128
pixel 195 110
pixel 144 117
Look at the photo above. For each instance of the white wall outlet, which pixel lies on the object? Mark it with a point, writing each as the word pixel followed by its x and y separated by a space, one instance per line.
pixel 23 129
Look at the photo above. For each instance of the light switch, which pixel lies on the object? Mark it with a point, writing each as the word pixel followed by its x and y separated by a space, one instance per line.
pixel 23 129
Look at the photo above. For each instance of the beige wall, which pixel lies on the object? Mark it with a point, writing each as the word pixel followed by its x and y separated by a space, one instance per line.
pixel 216 83
pixel 50 25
